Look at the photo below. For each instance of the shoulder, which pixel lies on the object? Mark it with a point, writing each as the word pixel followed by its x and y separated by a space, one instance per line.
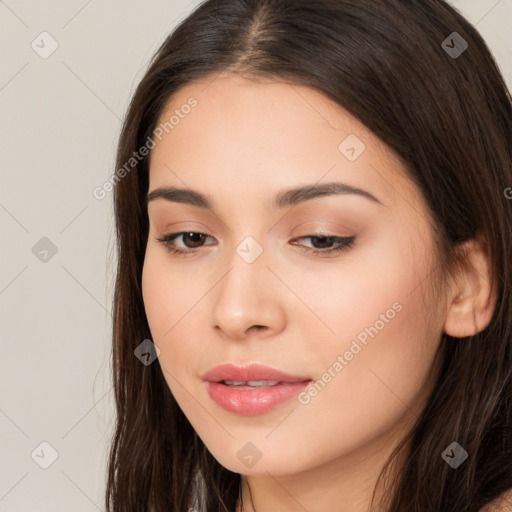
pixel 501 504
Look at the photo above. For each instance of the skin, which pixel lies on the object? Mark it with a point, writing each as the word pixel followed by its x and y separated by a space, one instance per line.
pixel 243 143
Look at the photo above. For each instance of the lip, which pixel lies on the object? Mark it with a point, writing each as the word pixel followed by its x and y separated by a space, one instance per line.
pixel 250 372
pixel 250 402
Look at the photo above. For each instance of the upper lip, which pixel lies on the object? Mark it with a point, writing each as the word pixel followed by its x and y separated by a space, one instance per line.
pixel 249 372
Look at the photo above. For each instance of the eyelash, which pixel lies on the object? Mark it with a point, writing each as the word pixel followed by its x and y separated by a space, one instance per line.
pixel 344 243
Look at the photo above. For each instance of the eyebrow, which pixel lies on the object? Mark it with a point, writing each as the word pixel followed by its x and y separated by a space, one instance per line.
pixel 284 198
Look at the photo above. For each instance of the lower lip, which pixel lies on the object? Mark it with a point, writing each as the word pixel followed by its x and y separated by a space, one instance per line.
pixel 249 402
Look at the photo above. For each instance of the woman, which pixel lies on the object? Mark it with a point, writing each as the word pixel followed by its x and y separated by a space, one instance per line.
pixel 313 296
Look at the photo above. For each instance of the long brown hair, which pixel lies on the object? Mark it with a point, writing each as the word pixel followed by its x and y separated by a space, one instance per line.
pixel 449 118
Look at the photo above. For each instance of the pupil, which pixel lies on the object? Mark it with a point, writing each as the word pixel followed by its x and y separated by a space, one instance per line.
pixel 194 235
pixel 323 239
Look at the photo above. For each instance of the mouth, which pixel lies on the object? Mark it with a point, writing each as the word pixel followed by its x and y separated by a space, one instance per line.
pixel 253 384
pixel 253 389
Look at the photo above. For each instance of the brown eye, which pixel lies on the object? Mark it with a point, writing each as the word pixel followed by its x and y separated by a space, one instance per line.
pixel 197 239
pixel 191 240
pixel 328 243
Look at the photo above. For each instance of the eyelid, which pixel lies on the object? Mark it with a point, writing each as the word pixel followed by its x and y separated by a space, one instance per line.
pixel 317 225
pixel 166 228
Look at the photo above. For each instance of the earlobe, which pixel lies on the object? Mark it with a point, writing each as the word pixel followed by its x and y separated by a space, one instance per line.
pixel 473 297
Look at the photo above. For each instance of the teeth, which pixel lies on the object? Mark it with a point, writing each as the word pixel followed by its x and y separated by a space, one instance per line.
pixel 251 383
pixel 262 382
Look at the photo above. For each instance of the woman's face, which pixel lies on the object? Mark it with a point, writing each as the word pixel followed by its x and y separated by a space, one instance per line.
pixel 362 323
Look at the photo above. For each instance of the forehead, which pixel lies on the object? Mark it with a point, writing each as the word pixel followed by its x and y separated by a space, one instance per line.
pixel 241 107
pixel 268 133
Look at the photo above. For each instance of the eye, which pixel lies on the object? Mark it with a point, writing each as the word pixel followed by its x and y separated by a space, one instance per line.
pixel 196 237
pixel 193 240
pixel 340 243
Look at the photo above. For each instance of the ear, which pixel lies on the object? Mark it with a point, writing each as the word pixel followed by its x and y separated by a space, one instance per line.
pixel 472 297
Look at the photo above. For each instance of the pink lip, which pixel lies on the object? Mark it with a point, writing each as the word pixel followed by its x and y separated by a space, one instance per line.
pixel 254 401
pixel 249 372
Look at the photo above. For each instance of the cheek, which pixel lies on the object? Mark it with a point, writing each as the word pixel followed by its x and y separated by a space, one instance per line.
pixel 172 305
pixel 156 294
pixel 372 289
pixel 168 293
pixel 374 334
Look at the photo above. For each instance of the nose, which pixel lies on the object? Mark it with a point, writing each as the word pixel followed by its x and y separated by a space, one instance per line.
pixel 247 301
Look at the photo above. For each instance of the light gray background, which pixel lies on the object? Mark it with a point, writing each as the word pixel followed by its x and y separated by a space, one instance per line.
pixel 60 119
